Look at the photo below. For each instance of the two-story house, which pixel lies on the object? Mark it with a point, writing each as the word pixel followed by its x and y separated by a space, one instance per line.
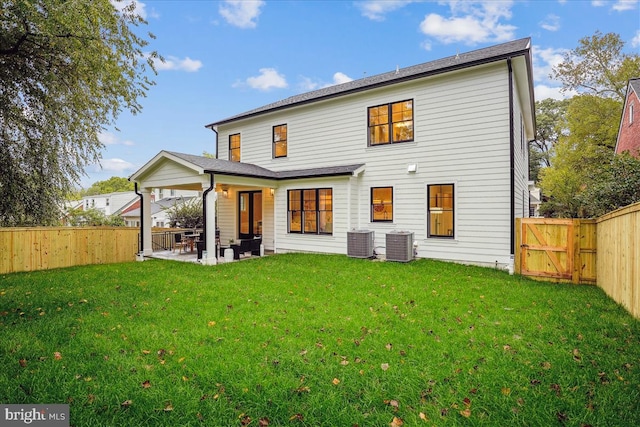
pixel 438 149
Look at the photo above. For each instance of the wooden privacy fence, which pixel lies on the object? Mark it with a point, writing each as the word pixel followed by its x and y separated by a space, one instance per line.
pixel 556 249
pixel 41 248
pixel 564 250
pixel 619 256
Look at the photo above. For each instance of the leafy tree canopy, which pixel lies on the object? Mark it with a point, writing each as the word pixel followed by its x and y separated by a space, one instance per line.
pixel 584 134
pixel 67 70
pixel 112 185
pixel 598 66
pixel 92 217
pixel 187 214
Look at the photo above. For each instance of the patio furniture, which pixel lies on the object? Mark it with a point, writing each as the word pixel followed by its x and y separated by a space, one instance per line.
pixel 178 242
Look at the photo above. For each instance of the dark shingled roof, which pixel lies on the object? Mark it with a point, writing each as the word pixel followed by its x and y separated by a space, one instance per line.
pixel 635 84
pixel 249 170
pixel 459 61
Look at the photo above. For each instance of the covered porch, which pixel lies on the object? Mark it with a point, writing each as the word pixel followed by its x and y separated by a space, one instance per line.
pixel 238 201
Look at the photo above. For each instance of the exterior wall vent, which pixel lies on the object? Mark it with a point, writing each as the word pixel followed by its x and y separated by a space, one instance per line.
pixel 399 246
pixel 360 243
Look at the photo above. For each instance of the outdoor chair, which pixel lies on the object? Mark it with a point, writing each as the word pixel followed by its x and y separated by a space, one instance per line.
pixel 179 242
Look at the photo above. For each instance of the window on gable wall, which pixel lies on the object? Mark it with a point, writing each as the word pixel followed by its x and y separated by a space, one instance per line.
pixel 381 204
pixel 440 210
pixel 631 113
pixel 234 147
pixel 310 211
pixel 279 141
pixel 391 123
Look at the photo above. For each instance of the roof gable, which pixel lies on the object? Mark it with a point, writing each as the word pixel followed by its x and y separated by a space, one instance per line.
pixel 451 63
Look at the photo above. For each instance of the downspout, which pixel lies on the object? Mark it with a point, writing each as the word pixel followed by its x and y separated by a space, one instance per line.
pixel 216 132
pixel 140 243
pixel 511 159
pixel 204 208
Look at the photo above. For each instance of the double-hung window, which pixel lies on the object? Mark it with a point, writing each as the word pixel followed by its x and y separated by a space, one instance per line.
pixel 310 211
pixel 234 147
pixel 279 141
pixel 391 123
pixel 440 212
pixel 381 204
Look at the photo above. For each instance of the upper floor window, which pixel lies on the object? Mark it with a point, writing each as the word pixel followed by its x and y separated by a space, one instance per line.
pixel 280 141
pixel 391 123
pixel 310 211
pixel 440 210
pixel 234 147
pixel 382 204
pixel 631 113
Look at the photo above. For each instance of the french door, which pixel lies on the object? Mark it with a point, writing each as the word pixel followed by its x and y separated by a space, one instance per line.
pixel 249 214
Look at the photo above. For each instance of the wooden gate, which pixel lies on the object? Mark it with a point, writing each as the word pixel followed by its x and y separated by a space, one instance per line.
pixel 556 249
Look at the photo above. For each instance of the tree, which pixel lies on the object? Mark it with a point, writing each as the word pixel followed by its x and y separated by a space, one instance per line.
pixel 598 66
pixel 111 185
pixel 67 70
pixel 599 70
pixel 592 123
pixel 186 215
pixel 615 186
pixel 550 126
pixel 92 217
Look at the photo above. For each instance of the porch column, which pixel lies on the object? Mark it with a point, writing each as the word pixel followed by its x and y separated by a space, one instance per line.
pixel 147 248
pixel 210 238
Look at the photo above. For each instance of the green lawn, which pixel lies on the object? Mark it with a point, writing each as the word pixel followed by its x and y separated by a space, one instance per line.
pixel 316 340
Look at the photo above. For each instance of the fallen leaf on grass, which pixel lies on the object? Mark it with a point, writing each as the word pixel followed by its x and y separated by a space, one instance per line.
pixel 57 355
pixel 335 381
pixel 245 420
pixel 297 417
pixel 506 391
pixel 211 323
pixel 168 407
pixel 23 363
pixel 423 417
pixel 393 403
pixel 126 403
pixel 146 384
pixel 384 366
pixel 466 413
pixel 396 422
pixel 263 422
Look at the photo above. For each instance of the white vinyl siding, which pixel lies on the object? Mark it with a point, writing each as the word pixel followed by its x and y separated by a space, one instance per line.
pixel 461 137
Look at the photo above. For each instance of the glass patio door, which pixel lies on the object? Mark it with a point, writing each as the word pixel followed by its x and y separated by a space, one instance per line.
pixel 249 214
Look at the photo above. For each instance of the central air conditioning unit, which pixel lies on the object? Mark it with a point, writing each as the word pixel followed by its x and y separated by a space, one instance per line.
pixel 360 243
pixel 399 246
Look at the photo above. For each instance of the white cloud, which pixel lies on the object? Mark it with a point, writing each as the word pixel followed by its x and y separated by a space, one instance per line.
pixel 543 62
pixel 108 138
pixel 139 8
pixel 551 22
pixel 241 13
pixel 598 3
pixel 308 84
pixel 622 5
pixel 172 63
pixel 471 22
pixel 544 92
pixel 116 165
pixel 268 79
pixel 377 9
pixel 635 41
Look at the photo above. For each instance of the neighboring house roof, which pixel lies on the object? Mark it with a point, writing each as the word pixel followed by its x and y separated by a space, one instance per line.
pixel 629 130
pixel 459 61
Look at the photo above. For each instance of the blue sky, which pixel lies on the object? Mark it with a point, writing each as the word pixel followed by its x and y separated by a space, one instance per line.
pixel 227 57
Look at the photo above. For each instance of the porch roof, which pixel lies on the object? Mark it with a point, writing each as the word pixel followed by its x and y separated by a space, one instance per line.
pixel 226 167
pixel 204 165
